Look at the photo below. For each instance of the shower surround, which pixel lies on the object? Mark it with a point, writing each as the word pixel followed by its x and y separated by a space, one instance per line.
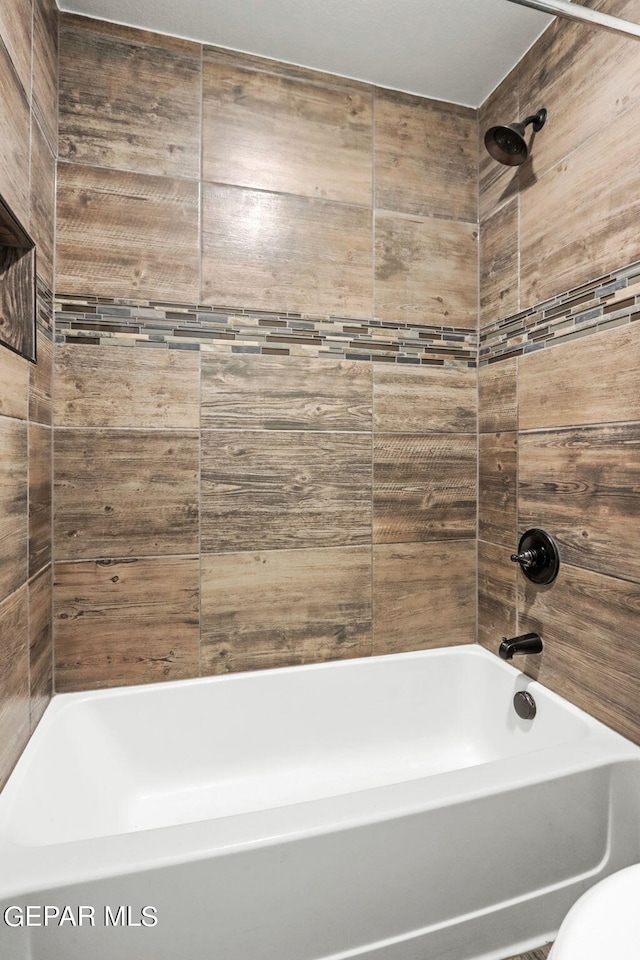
pixel 265 440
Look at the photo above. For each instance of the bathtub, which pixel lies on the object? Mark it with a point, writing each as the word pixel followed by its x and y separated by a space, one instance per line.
pixel 390 808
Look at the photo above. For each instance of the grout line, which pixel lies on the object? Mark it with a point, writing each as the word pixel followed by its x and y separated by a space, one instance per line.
pixel 200 178
pixel 28 562
pixel 39 572
pixel 53 362
pixel 228 553
pixel 126 559
pixel 281 193
pixel 373 204
pixel 200 522
pixel 25 419
pixel 16 590
pixel 194 432
pixel 372 553
pixel 518 256
pixel 517 481
pixel 569 427
pixel 478 301
pixel 116 429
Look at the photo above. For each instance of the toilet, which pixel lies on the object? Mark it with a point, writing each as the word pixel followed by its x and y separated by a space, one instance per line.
pixel 604 922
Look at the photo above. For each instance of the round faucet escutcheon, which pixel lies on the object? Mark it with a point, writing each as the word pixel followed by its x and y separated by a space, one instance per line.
pixel 538 556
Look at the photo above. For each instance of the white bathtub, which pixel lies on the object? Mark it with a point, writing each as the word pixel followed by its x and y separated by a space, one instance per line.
pixel 393 808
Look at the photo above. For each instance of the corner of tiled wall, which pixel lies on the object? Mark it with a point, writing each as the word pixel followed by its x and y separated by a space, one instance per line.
pixel 559 342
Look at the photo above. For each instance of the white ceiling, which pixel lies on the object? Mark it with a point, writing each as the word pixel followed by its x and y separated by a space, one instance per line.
pixel 455 50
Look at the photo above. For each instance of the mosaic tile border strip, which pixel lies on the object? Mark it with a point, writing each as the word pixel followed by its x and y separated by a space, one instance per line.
pixel 609 301
pixel 178 326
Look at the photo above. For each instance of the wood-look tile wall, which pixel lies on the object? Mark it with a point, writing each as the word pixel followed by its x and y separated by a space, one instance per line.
pixel 220 510
pixel 575 470
pixel 569 214
pixel 280 165
pixel 560 424
pixel 28 135
pixel 218 513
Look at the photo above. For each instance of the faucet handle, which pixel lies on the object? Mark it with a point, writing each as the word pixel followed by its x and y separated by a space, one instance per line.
pixel 528 558
pixel 538 556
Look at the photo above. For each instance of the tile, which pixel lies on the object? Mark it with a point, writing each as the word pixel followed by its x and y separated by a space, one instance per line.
pixel 586 620
pixel 16 22
pixel 40 502
pixel 597 230
pixel 98 387
pixel 103 82
pixel 407 400
pixel 14 141
pixel 499 264
pixel 282 490
pixel 14 521
pixel 498 488
pixel 235 59
pixel 588 381
pixel 286 135
pixel 43 204
pixel 424 487
pixel 125 493
pixel 285 607
pixel 589 79
pixel 285 393
pixel 14 382
pixel 426 271
pixel 423 595
pixel 41 379
pixel 45 69
pixel 583 486
pixel 14 680
pixel 426 155
pixel 122 622
pixel 497 595
pixel 498 397
pixel 40 645
pixel 117 232
pixel 497 183
pixel 278 252
pixel 120 33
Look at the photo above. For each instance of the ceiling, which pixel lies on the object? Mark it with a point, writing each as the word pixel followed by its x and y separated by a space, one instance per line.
pixel 455 50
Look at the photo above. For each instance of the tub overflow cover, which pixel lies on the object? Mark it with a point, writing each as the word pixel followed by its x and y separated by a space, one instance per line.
pixel 525 705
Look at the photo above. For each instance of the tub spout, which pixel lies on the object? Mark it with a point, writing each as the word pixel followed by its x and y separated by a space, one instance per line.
pixel 527 643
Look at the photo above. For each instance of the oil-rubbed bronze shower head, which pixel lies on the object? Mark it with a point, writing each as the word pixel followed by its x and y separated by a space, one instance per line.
pixel 507 144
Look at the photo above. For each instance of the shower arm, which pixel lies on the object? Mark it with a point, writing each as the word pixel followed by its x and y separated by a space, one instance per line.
pixel 575 11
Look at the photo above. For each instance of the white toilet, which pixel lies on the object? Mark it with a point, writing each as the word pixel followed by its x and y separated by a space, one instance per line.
pixel 604 922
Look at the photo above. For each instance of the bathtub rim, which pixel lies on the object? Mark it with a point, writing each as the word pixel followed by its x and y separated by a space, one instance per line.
pixel 39 867
pixel 64 700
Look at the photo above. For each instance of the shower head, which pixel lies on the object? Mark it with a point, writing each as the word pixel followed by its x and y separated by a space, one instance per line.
pixel 507 144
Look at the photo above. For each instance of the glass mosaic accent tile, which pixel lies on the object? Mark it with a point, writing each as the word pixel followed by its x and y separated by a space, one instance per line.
pixel 605 303
pixel 138 323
